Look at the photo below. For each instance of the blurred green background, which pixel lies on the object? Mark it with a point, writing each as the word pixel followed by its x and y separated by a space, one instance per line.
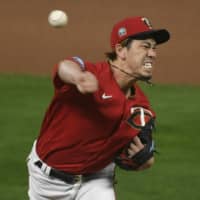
pixel 175 175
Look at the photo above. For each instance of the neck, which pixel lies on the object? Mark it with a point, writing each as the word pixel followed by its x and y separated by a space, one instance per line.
pixel 124 79
pixel 121 70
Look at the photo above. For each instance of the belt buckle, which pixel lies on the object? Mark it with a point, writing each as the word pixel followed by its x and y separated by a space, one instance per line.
pixel 77 178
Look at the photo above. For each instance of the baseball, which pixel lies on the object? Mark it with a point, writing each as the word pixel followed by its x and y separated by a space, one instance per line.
pixel 57 18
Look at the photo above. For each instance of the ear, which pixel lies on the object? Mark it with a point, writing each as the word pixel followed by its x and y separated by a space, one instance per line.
pixel 120 51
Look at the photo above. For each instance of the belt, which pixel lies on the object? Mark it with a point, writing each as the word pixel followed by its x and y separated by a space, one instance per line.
pixel 68 178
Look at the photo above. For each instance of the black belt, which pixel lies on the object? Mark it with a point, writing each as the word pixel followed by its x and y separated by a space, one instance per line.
pixel 68 178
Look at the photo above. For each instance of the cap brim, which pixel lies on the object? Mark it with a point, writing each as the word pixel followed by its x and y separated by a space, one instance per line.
pixel 160 36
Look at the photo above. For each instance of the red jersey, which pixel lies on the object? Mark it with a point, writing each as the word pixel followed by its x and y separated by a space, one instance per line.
pixel 81 133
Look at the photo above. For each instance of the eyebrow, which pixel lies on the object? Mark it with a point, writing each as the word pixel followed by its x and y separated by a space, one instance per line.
pixel 150 44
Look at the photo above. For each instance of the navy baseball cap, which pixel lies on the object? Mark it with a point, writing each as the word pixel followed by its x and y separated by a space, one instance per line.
pixel 138 28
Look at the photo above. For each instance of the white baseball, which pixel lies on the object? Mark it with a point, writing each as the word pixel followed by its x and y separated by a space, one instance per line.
pixel 57 18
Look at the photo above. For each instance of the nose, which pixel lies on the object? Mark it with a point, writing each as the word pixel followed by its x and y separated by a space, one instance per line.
pixel 152 53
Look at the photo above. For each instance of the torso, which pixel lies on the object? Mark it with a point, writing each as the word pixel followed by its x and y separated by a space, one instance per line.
pixel 78 134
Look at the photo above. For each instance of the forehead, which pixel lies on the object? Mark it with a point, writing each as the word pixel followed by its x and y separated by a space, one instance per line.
pixel 146 41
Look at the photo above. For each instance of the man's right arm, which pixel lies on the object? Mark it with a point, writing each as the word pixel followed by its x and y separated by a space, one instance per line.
pixel 70 72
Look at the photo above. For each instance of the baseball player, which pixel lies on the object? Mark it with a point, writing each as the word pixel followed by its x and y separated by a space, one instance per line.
pixel 98 118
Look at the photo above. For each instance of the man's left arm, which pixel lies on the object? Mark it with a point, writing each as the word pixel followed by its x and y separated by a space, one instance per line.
pixel 139 153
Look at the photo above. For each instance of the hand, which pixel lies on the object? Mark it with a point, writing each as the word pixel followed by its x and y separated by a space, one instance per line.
pixel 71 72
pixel 137 154
pixel 135 146
pixel 87 83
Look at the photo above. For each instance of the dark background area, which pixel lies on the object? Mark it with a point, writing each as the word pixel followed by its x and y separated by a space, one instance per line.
pixel 29 45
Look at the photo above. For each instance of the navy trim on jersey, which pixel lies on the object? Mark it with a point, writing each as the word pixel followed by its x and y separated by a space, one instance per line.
pixel 80 61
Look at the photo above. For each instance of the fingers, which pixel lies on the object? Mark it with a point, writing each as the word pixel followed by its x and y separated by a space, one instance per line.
pixel 135 146
pixel 132 150
pixel 87 83
pixel 138 142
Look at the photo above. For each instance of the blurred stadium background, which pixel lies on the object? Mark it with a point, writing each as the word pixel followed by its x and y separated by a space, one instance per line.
pixel 30 47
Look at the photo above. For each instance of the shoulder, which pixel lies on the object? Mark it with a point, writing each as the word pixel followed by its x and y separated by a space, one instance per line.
pixel 141 100
pixel 140 95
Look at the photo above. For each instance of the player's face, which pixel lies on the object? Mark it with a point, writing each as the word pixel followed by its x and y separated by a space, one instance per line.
pixel 140 58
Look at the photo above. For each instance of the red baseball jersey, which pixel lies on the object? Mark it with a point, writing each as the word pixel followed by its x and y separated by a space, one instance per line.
pixel 81 133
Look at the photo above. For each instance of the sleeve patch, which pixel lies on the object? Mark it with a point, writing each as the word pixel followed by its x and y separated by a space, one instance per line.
pixel 80 61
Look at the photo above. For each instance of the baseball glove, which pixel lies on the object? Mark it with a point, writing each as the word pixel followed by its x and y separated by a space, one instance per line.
pixel 123 159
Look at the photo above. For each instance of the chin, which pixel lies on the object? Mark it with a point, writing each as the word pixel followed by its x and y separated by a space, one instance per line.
pixel 145 78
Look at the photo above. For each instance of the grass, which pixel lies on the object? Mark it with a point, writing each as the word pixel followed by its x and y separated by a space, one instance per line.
pixel 23 102
pixel 176 172
pixel 175 175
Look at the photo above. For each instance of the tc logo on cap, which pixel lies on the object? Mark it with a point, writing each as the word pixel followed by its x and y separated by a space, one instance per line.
pixel 147 22
pixel 121 32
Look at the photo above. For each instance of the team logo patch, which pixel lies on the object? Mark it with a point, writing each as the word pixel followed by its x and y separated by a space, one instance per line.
pixel 121 32
pixel 139 117
pixel 147 22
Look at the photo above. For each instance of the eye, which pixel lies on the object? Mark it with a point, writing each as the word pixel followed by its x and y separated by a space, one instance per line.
pixel 149 46
pixel 146 46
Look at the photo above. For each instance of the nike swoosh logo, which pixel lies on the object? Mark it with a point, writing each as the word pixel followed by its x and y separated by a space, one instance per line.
pixel 104 96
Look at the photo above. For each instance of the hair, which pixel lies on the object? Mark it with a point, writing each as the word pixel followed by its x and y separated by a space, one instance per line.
pixel 125 43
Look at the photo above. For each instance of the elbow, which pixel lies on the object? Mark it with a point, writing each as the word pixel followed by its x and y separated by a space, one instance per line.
pixel 147 165
pixel 150 162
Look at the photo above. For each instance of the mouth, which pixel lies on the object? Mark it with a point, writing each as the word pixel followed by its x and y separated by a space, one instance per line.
pixel 148 65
